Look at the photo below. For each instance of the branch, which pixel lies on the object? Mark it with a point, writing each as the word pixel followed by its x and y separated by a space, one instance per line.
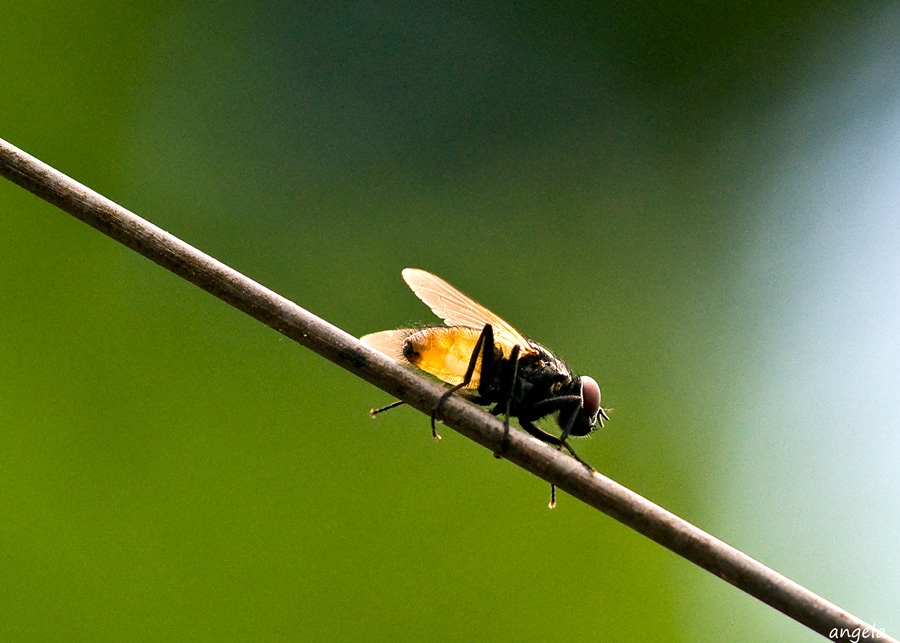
pixel 346 351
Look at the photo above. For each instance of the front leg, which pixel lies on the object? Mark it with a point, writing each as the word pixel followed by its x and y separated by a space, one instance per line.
pixel 549 438
pixel 548 406
pixel 545 407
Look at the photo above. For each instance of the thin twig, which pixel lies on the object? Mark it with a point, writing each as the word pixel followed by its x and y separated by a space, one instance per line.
pixel 346 351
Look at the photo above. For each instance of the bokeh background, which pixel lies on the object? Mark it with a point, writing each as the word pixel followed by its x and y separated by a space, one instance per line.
pixel 695 203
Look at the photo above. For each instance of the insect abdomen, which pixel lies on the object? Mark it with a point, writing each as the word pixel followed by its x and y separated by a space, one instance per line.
pixel 444 352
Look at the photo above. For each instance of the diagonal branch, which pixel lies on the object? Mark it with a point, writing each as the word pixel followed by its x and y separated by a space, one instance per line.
pixel 346 351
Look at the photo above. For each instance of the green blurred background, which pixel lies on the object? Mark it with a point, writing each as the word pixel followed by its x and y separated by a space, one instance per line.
pixel 695 203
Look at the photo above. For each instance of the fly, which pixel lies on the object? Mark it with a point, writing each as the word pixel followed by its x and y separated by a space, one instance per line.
pixel 490 363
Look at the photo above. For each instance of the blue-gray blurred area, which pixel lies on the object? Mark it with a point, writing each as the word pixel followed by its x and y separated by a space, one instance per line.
pixel 698 204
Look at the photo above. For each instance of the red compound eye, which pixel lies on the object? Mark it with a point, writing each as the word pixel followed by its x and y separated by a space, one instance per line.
pixel 590 396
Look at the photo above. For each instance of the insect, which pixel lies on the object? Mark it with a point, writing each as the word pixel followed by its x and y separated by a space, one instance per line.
pixel 489 362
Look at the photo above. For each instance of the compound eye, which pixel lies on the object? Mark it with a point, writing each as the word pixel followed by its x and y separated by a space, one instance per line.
pixel 590 396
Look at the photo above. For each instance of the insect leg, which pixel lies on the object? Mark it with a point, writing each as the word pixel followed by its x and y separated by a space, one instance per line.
pixel 507 389
pixel 549 438
pixel 548 406
pixel 485 345
pixel 393 405
pixel 567 430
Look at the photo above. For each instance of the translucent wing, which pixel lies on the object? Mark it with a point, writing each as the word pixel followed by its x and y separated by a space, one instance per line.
pixel 456 309
pixel 389 342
